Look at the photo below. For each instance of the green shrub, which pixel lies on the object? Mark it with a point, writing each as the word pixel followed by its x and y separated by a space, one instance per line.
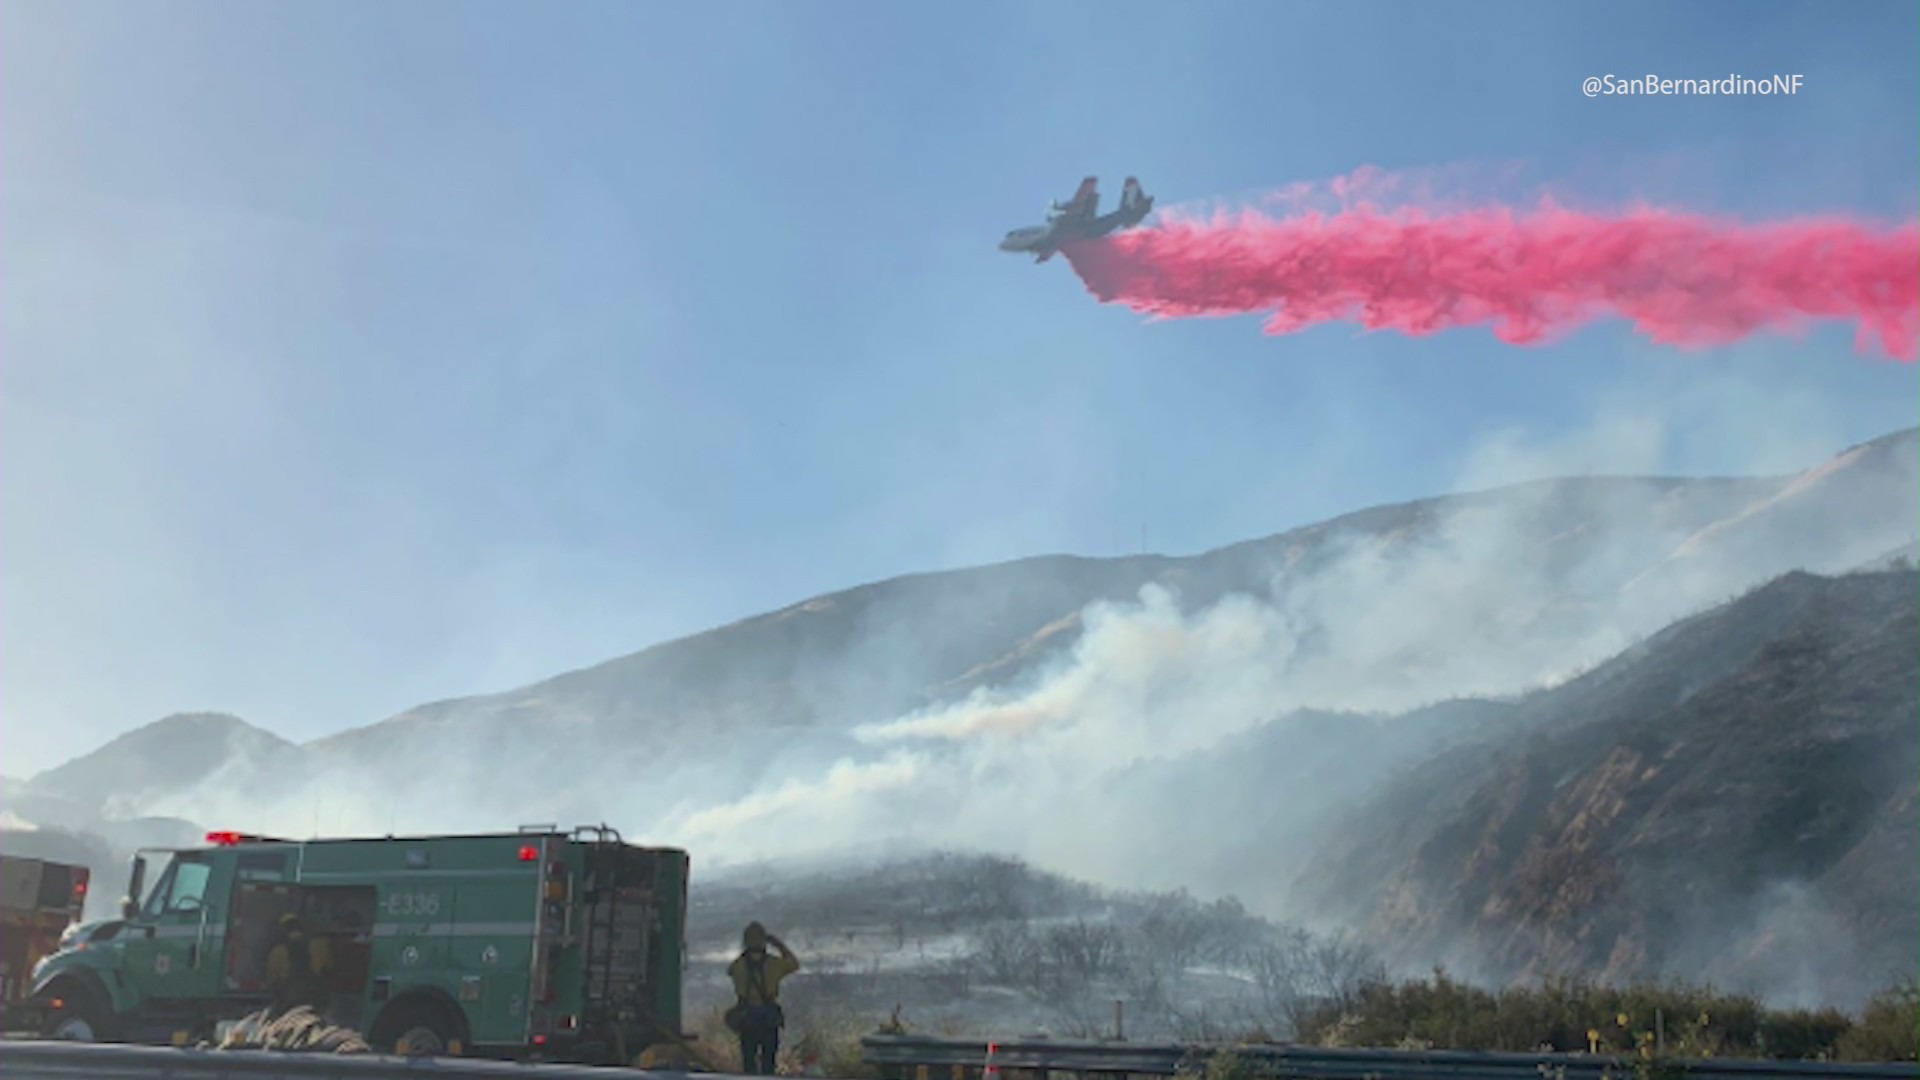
pixel 1889 1028
pixel 1797 1034
pixel 1649 1020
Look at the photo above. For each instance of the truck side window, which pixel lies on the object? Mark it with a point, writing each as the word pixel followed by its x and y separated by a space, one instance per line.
pixel 182 888
pixel 189 886
pixel 157 897
pixel 261 866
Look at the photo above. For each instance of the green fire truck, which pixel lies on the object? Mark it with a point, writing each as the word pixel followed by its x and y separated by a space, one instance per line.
pixel 40 907
pixel 537 944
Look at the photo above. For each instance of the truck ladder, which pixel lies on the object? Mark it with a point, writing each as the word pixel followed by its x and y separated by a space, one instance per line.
pixel 602 924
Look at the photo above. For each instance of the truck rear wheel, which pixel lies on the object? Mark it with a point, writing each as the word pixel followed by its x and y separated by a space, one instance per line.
pixel 74 1012
pixel 419 1026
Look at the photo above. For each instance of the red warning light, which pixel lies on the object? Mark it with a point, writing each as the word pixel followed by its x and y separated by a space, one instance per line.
pixel 529 853
pixel 224 839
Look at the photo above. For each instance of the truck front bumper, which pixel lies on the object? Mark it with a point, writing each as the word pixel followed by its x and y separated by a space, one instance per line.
pixel 27 1018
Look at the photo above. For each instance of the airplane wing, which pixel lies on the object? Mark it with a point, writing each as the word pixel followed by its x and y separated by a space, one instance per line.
pixel 1085 203
pixel 1135 205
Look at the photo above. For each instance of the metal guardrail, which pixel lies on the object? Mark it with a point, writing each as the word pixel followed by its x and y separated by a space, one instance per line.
pixel 901 1057
pixel 40 1059
pixel 36 1059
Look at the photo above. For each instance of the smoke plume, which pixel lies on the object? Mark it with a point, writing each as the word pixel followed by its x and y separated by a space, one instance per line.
pixel 1681 279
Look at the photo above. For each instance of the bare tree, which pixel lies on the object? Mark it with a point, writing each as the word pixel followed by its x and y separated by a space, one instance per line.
pixel 1298 972
pixel 1212 1023
pixel 1084 951
pixel 1172 933
pixel 1004 885
pixel 959 970
pixel 1007 952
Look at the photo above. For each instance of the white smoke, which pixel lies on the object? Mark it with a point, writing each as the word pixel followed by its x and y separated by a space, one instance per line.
pixel 1472 604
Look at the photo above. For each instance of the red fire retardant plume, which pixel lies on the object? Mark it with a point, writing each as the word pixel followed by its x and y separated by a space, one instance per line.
pixel 1682 279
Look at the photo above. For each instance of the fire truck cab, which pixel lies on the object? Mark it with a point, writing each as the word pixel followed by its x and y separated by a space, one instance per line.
pixel 535 944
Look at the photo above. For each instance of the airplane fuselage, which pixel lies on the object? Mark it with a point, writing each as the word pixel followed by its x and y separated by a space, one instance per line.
pixel 1034 238
pixel 1078 221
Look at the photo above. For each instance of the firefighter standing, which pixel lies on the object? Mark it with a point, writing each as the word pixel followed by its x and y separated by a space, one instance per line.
pixel 756 1016
pixel 297 968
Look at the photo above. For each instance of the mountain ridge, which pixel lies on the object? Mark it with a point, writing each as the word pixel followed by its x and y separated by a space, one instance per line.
pixel 818 667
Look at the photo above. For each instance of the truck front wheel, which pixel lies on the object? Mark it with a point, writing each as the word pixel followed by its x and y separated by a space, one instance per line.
pixel 74 1012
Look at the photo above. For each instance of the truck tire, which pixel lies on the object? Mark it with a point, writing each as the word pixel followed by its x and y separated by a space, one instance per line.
pixel 76 1012
pixel 417 1026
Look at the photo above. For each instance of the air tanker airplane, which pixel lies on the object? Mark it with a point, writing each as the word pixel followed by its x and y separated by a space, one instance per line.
pixel 1080 219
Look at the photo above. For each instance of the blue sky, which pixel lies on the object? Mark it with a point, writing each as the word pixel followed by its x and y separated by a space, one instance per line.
pixel 354 355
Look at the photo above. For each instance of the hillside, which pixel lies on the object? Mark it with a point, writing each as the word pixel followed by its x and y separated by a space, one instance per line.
pixel 1276 788
pixel 1736 796
pixel 1794 526
pixel 1904 557
pixel 970 943
pixel 151 764
pixel 1266 720
pixel 1384 609
pixel 1732 799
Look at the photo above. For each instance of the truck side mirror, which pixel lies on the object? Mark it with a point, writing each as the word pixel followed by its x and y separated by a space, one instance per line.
pixel 136 877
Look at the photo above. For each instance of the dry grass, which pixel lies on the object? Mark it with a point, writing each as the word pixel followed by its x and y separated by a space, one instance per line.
pixel 298 1029
pixel 716 1047
pixel 820 1046
pixel 828 1047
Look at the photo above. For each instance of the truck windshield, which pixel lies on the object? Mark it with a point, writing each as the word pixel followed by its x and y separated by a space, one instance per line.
pixel 182 887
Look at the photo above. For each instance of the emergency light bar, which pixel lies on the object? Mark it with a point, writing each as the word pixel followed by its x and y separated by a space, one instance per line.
pixel 226 838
